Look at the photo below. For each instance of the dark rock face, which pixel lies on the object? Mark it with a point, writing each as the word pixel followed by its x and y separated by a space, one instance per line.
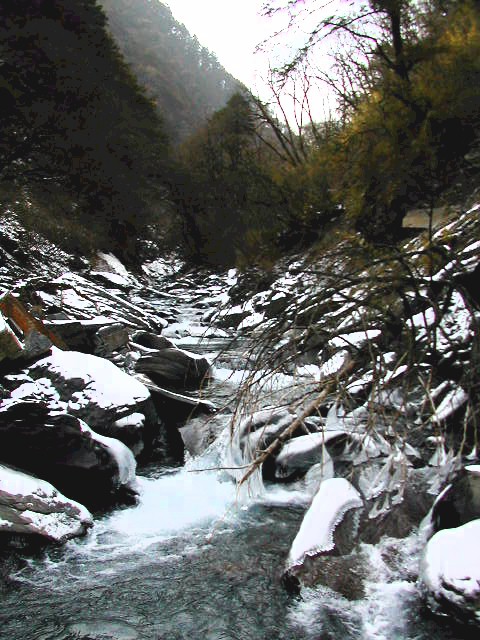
pixel 231 318
pixel 56 448
pixel 346 575
pixel 250 282
pixel 274 304
pixel 400 519
pixel 175 409
pixel 74 334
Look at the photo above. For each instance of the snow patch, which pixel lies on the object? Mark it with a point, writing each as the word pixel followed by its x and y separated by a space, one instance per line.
pixel 105 384
pixel 450 568
pixel 37 507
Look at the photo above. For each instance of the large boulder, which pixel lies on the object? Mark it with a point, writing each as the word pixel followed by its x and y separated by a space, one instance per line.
pixel 175 367
pixel 62 449
pixel 33 507
pixel 450 572
pixel 149 340
pixel 450 564
pixel 95 390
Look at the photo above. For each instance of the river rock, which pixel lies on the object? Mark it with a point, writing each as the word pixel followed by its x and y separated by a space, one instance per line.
pixel 175 407
pixel 29 506
pixel 232 317
pixel 35 345
pixel 199 433
pixel 109 338
pixel 255 433
pixel 450 572
pixel 10 346
pixel 396 514
pixel 459 502
pixel 328 527
pixel 275 304
pixel 99 393
pixel 273 419
pixel 150 340
pixel 63 450
pixel 176 367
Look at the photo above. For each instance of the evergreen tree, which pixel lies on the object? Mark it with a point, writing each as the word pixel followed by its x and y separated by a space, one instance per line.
pixel 75 118
pixel 233 205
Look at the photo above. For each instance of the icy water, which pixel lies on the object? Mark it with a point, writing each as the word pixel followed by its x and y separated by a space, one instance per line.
pixel 192 562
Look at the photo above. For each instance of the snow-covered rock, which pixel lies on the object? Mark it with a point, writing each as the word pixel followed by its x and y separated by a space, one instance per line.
pixel 99 393
pixel 259 421
pixel 299 454
pixel 109 269
pixel 328 527
pixel 32 506
pixel 450 571
pixel 62 449
pixel 232 316
pixel 459 502
pixel 333 500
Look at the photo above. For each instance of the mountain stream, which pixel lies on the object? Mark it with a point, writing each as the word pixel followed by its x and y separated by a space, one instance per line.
pixel 194 560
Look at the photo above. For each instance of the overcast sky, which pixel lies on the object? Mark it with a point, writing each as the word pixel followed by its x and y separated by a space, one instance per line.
pixel 231 29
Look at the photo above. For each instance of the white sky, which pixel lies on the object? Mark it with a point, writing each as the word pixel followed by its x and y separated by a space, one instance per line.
pixel 231 29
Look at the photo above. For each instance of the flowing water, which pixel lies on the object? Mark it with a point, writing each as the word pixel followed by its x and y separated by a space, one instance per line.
pixel 192 561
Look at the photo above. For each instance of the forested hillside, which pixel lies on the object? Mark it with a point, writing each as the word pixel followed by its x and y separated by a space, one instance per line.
pixel 83 151
pixel 100 153
pixel 183 77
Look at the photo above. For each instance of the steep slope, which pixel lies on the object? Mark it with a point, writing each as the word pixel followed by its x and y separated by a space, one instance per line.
pixel 77 131
pixel 185 79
